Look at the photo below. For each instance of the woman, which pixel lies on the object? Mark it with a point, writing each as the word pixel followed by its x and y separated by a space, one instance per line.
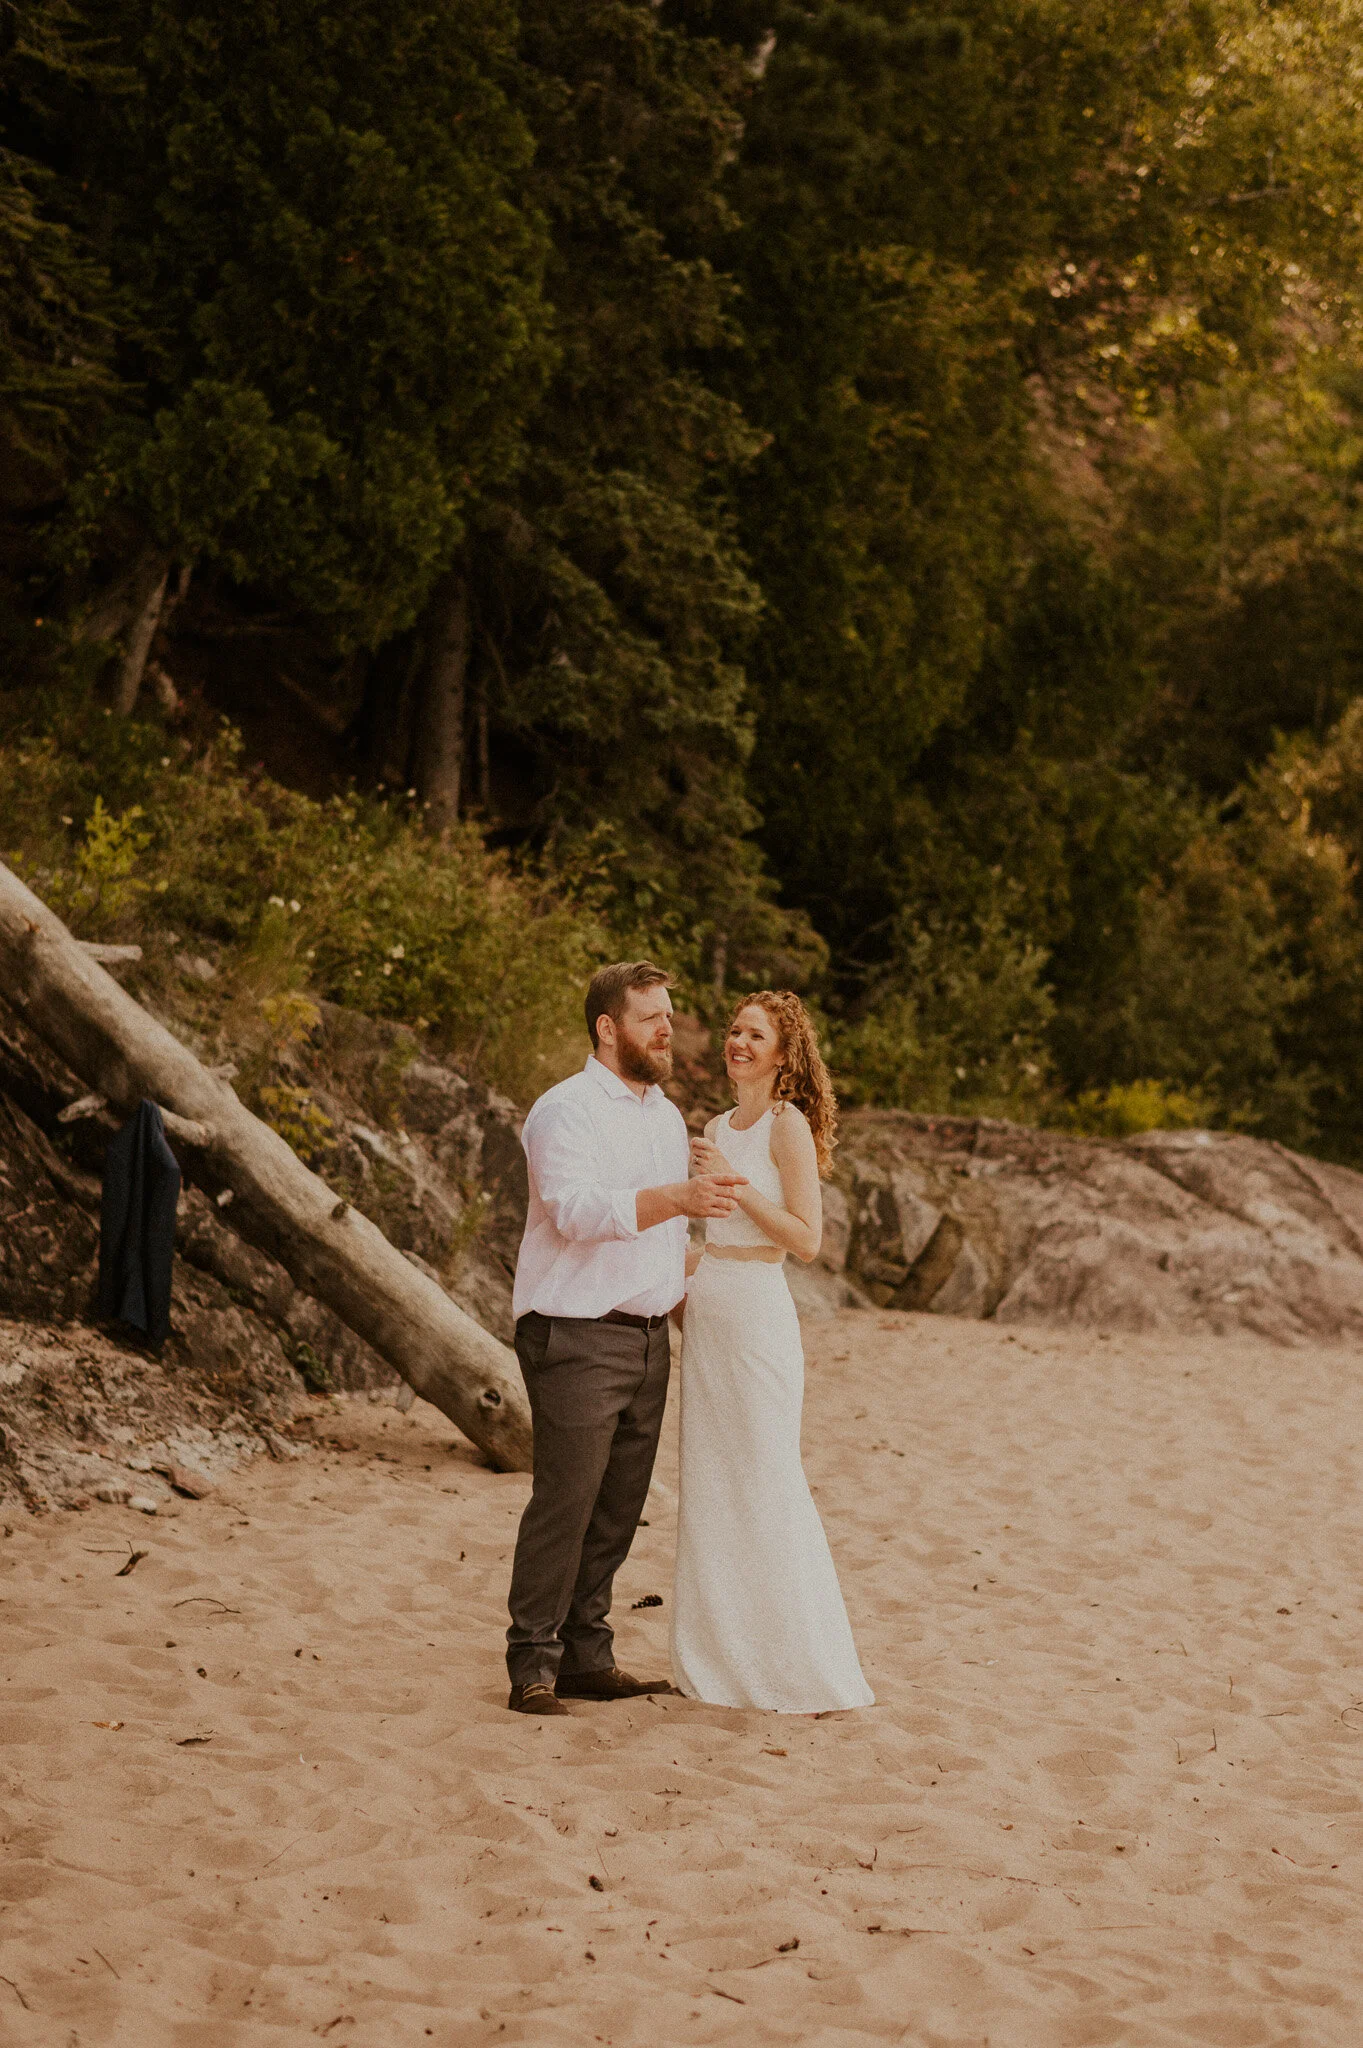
pixel 758 1619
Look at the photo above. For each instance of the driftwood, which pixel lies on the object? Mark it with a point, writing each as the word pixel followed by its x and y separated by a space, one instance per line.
pixel 181 1127
pixel 328 1248
pixel 108 956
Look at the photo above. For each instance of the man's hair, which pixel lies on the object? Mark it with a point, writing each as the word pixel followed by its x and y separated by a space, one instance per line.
pixel 609 990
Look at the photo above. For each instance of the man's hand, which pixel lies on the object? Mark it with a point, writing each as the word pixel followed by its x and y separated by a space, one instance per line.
pixel 712 1194
pixel 709 1194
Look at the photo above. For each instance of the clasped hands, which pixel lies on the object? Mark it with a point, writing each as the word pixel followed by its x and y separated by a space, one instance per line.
pixel 713 1188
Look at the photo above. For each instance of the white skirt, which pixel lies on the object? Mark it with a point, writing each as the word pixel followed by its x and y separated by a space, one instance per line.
pixel 757 1614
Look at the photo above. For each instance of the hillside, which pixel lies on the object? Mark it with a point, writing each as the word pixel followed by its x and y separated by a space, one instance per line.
pixel 432 1158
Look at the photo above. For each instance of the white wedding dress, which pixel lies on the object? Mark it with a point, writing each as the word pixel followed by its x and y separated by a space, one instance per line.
pixel 757 1615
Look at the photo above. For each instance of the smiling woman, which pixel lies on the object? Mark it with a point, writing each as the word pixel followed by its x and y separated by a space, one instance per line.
pixel 758 1614
pixel 799 1073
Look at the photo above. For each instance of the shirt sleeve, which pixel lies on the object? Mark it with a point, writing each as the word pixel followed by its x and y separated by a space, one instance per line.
pixel 561 1149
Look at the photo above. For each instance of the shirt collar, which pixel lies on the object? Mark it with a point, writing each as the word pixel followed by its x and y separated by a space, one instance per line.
pixel 611 1084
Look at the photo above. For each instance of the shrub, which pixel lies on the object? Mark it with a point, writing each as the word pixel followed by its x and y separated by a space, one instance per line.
pixel 348 899
pixel 1214 992
pixel 1127 1108
pixel 961 1029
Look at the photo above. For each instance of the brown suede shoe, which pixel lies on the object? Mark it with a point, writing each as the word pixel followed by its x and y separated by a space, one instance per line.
pixel 609 1685
pixel 534 1699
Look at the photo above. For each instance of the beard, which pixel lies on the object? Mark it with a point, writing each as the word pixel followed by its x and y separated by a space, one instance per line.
pixel 641 1063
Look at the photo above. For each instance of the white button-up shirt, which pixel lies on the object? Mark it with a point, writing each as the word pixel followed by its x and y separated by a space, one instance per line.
pixel 592 1144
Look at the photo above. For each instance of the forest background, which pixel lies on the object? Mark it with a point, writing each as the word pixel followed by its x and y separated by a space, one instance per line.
pixel 822 494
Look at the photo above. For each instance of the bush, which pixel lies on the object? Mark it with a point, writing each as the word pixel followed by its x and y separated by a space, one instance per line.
pixel 1128 1108
pixel 1214 993
pixel 961 1028
pixel 348 899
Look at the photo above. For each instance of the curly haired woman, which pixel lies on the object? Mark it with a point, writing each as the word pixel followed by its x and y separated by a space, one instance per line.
pixel 758 1616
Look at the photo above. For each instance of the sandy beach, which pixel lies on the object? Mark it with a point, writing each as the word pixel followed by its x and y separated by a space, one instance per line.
pixel 264 1788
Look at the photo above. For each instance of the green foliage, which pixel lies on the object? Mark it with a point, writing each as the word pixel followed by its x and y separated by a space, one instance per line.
pixel 614 603
pixel 316 1376
pixel 53 340
pixel 927 218
pixel 292 1112
pixel 1127 1108
pixel 1297 832
pixel 1237 516
pixel 346 900
pixel 335 320
pixel 96 885
pixel 1213 991
pixel 961 1028
pixel 877 522
pixel 906 477
pixel 105 885
pixel 985 265
pixel 56 307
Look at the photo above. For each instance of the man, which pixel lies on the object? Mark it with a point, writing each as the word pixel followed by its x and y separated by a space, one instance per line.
pixel 602 1264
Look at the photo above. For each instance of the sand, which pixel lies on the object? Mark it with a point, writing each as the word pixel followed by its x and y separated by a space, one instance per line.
pixel 1106 1592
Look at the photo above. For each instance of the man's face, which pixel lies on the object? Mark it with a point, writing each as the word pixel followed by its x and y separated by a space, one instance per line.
pixel 643 1037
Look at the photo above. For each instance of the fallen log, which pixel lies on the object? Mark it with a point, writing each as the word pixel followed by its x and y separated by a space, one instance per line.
pixel 176 1126
pixel 108 956
pixel 329 1249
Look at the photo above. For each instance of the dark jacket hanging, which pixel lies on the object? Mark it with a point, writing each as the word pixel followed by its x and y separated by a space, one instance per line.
pixel 137 1225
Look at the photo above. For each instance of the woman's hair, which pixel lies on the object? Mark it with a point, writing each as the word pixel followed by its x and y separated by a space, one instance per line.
pixel 803 1077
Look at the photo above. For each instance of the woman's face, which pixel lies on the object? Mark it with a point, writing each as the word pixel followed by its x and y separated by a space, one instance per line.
pixel 752 1050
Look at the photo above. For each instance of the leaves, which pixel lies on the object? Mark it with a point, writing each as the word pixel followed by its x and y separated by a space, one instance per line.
pixel 905 476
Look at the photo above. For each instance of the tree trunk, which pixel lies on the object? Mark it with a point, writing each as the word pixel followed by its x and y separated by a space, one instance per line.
pixel 380 731
pixel 720 973
pixel 329 1249
pixel 149 595
pixel 484 750
pixel 438 739
pixel 109 613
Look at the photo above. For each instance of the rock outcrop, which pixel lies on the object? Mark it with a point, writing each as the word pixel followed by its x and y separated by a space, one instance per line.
pixel 1176 1230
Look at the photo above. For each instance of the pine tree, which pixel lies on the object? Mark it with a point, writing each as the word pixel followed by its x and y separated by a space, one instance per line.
pixel 614 607
pixel 334 292
pixel 56 311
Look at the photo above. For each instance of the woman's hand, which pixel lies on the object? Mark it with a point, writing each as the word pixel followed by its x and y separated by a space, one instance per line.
pixel 707 1158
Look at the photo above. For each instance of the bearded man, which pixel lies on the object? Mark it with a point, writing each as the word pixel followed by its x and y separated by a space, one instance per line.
pixel 602 1265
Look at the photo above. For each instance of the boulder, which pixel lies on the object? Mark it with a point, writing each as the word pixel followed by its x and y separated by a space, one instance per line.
pixel 1176 1230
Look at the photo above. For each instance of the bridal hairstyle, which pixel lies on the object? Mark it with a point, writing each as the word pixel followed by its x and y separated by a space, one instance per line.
pixel 802 1077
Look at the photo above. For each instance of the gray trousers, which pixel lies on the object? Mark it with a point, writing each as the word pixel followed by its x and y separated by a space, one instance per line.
pixel 597 1393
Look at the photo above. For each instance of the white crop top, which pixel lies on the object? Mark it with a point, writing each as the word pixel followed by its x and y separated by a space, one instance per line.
pixel 749 1153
